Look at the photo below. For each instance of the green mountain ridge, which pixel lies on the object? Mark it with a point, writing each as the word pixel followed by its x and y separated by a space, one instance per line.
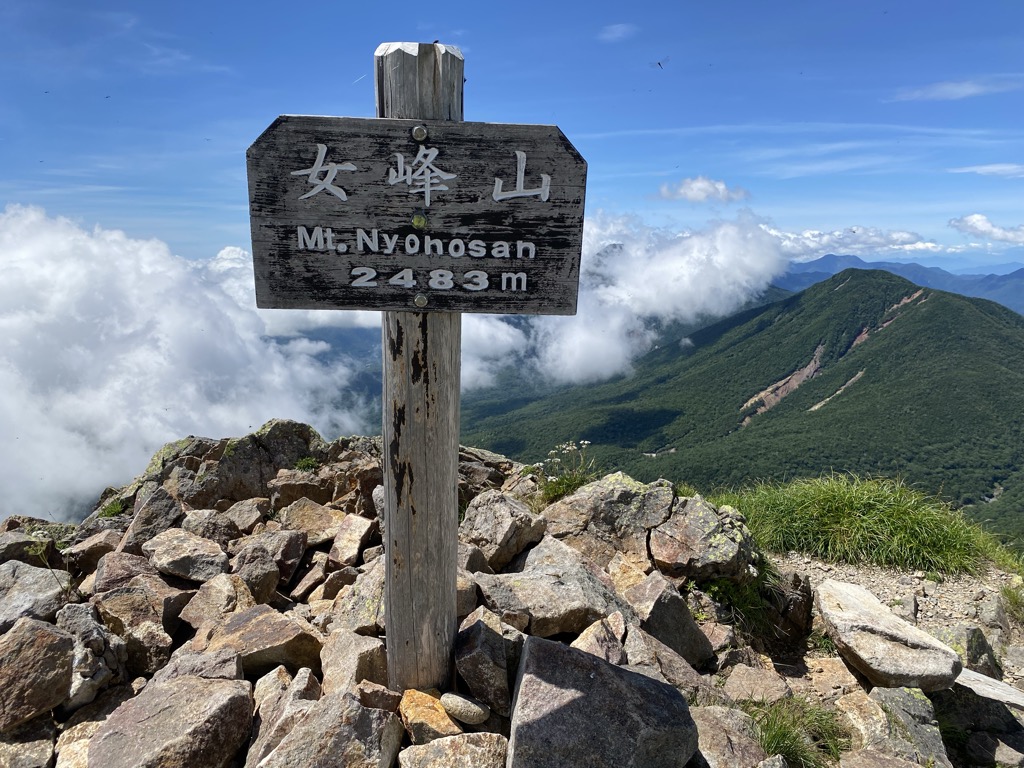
pixel 863 372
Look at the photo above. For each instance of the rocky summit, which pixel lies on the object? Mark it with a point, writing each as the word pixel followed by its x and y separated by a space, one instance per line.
pixel 225 609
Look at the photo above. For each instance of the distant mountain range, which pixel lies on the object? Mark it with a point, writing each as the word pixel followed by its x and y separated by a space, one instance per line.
pixel 863 371
pixel 1007 289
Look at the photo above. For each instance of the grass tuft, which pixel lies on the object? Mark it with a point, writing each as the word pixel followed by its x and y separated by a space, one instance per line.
pixel 806 734
pixel 844 518
pixel 307 464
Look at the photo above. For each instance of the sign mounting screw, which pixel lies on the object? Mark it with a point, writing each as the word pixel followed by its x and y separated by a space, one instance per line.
pixel 420 300
pixel 419 133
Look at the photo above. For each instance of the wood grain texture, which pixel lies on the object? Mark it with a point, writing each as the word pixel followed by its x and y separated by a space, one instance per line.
pixel 290 274
pixel 420 425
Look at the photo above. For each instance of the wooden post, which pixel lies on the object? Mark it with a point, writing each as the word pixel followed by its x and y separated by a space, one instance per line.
pixel 420 416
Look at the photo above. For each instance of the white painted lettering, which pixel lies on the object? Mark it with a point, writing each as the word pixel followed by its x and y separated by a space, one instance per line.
pixel 421 174
pixel 329 238
pixel 363 242
pixel 525 247
pixel 477 249
pixel 429 242
pixel 477 280
pixel 311 241
pixel 543 191
pixel 412 244
pixel 325 182
pixel 513 281
pixel 500 250
pixel 456 248
pixel 390 243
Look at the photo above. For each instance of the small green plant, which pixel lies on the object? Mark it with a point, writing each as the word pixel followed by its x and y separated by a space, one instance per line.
pixel 819 642
pixel 112 508
pixel 1013 603
pixel 566 469
pixel 685 490
pixel 748 605
pixel 806 734
pixel 307 464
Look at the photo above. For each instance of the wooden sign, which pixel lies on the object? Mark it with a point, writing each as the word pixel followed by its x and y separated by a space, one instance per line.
pixel 416 215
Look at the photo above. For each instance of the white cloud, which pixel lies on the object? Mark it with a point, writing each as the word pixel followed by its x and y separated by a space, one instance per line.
pixel 1010 170
pixel 635 278
pixel 489 343
pixel 702 189
pixel 613 33
pixel 954 90
pixel 111 346
pixel 978 224
pixel 856 241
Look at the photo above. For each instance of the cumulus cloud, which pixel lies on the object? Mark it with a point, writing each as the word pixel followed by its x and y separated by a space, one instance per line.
pixel 489 344
pixel 978 224
pixel 111 346
pixel 635 278
pixel 1009 170
pixel 954 90
pixel 702 189
pixel 613 33
pixel 857 241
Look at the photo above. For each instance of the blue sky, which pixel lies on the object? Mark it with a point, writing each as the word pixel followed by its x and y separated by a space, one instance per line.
pixel 723 139
pixel 861 127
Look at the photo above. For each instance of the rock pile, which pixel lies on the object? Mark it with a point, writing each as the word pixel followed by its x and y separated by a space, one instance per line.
pixel 225 609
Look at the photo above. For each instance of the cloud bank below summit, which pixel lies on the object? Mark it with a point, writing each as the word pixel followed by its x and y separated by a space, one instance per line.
pixel 111 346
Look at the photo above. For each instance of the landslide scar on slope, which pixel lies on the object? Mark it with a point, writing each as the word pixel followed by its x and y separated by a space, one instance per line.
pixel 771 396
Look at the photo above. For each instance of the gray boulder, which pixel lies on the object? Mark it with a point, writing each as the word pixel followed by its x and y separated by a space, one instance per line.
pixel 186 721
pixel 726 738
pixel 467 750
pixel 573 710
pixel 554 590
pixel 913 731
pixel 701 542
pixel 339 732
pixel 222 595
pixel 265 639
pixel 116 569
pixel 256 566
pixel 663 613
pixel 481 659
pixel 319 523
pixel 28 591
pixel 212 525
pixel 649 656
pixel 100 656
pixel 285 547
pixel 158 512
pixel 281 702
pixel 348 658
pixel 130 612
pixel 224 664
pixel 36 672
pixel 354 533
pixel 360 607
pixel 887 650
pixel 176 552
pixel 613 514
pixel 86 554
pixel 501 526
pixel 29 745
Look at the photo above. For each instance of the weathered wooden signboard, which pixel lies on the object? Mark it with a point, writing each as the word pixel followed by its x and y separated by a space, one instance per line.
pixel 416 215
